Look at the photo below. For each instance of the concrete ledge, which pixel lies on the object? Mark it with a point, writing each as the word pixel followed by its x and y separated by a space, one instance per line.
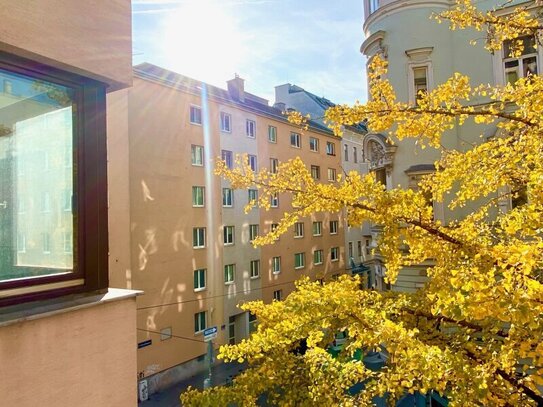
pixel 43 309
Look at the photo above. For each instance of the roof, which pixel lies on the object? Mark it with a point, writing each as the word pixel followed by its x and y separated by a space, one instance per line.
pixel 251 102
pixel 326 104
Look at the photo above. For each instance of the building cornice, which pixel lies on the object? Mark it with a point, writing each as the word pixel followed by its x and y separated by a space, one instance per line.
pixel 373 43
pixel 402 5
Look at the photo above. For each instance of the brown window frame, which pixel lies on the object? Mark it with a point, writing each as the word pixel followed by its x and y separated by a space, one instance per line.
pixel 90 209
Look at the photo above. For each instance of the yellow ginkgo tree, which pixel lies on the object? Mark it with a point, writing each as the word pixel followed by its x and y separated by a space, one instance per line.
pixel 474 332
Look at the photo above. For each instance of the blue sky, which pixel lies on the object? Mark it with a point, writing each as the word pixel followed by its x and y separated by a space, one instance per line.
pixel 311 43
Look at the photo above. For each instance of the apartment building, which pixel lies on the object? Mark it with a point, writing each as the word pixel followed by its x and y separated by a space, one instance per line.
pixel 66 338
pixel 191 238
pixel 420 57
pixel 357 239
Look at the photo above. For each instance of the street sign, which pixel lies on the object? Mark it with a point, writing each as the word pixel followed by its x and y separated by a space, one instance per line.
pixel 210 334
pixel 145 343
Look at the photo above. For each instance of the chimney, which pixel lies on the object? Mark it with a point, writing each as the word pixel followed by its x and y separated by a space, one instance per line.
pixel 236 88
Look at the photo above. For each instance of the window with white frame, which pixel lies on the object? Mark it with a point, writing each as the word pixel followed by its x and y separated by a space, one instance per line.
pixel 521 65
pixel 46 243
pixel 252 162
pixel 228 235
pixel 315 172
pixel 351 254
pixel 333 227
pixel 330 148
pixel 299 229
pixel 197 155
pixel 199 279
pixel 420 82
pixel 195 115
pixel 200 322
pixel 227 197
pixel 274 165
pixel 226 122
pixel 198 238
pixel 253 232
pixel 419 73
pixel 198 196
pixel 229 271
pixel 334 254
pixel 278 295
pixel 274 198
pixel 255 268
pixel 228 158
pixel 276 265
pixel 332 174
pixel 317 228
pixel 295 140
pixel 299 260
pixel 313 144
pixel 252 195
pixel 272 134
pixel 250 128
pixel 317 257
pixel 232 330
pixel 66 197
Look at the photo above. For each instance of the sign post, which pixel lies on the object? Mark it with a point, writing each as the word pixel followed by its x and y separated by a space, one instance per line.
pixel 209 335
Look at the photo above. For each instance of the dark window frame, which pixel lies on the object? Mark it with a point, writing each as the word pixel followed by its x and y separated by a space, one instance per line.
pixel 90 209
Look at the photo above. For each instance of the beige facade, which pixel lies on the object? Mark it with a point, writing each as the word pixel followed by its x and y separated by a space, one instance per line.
pixel 77 349
pixel 171 118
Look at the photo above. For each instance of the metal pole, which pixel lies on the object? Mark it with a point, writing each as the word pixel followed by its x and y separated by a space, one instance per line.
pixel 209 363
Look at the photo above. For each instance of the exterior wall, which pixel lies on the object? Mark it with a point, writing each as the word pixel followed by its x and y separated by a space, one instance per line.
pixel 84 357
pixel 90 38
pixel 389 31
pixel 162 218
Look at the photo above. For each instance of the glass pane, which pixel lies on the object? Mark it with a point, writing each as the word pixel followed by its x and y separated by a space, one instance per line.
pixel 529 66
pixel 36 180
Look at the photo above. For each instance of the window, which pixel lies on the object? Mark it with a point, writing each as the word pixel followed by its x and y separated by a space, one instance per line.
pixel 274 165
pixel 317 257
pixel 228 235
pixel 315 172
pixel 46 243
pixel 195 115
pixel 253 195
pixel 313 144
pixel 346 152
pixel 250 128
pixel 252 322
pixel 198 196
pixel 67 242
pixel 252 162
pixel 351 255
pixel 227 197
pixel 232 330
pixel 299 229
pixel 229 271
pixel 355 155
pixel 317 228
pixel 253 232
pixel 332 176
pixel 333 227
pixel 199 279
pixel 295 140
pixel 57 113
pixel 255 268
pixel 374 5
pixel 299 260
pixel 368 247
pixel 274 226
pixel 359 247
pixel 226 122
pixel 66 198
pixel 330 148
pixel 278 295
pixel 276 265
pixel 199 238
pixel 334 253
pixel 420 82
pixel 200 321
pixel 523 65
pixel 272 134
pixel 274 198
pixel 197 155
pixel 227 158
